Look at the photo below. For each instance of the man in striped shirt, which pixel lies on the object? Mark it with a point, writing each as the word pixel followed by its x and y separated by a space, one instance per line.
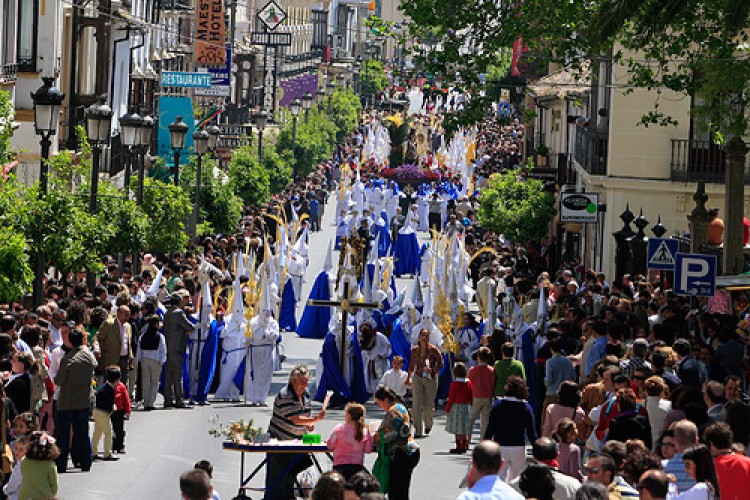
pixel 685 436
pixel 291 419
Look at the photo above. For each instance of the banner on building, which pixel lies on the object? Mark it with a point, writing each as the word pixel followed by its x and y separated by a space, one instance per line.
pixel 210 34
pixel 170 107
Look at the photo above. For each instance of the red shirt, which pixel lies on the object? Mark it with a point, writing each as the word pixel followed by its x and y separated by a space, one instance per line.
pixel 460 393
pixel 122 398
pixel 482 377
pixel 734 475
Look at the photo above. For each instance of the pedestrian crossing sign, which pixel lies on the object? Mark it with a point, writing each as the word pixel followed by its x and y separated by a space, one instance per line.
pixel 661 252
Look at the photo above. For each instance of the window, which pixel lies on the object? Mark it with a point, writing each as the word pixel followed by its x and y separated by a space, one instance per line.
pixel 27 28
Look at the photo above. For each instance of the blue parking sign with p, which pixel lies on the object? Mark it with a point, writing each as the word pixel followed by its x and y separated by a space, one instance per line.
pixel 695 274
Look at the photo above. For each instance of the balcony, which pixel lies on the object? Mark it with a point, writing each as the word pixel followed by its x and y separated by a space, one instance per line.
pixel 591 151
pixel 699 161
pixel 8 74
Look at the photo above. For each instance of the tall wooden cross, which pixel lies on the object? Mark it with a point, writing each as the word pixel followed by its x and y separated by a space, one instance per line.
pixel 346 307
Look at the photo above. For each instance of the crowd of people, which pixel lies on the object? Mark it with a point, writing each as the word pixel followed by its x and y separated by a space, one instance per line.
pixel 622 389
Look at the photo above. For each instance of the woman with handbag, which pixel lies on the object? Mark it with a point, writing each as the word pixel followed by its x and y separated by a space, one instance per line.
pixel 397 451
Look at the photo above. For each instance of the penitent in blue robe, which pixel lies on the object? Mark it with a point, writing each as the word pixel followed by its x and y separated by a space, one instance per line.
pixel 287 319
pixel 332 378
pixel 315 319
pixel 207 362
pixel 400 342
pixel 406 252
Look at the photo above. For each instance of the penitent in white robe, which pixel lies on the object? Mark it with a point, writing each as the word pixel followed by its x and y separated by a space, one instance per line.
pixel 262 359
pixel 232 354
pixel 376 361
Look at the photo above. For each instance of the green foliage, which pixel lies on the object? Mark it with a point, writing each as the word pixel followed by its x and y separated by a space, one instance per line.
pixel 167 207
pixel 692 48
pixel 129 223
pixel 60 227
pixel 278 165
pixel 316 139
pixel 7 112
pixel 247 178
pixel 16 274
pixel 220 206
pixel 518 208
pixel 346 110
pixel 372 77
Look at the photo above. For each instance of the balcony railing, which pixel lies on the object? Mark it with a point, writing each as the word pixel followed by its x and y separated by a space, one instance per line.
pixel 8 73
pixel 591 151
pixel 699 161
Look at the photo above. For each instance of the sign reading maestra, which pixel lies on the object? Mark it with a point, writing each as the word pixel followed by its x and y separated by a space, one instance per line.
pixel 211 34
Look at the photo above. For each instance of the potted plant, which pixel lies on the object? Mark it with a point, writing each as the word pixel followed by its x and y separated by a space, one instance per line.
pixel 542 160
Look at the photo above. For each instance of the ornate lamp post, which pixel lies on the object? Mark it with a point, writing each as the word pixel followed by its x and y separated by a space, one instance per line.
pixel 260 121
pixel 213 137
pixel 47 100
pixel 98 124
pixel 200 143
pixel 320 94
pixel 307 101
pixel 177 133
pixel 130 136
pixel 144 143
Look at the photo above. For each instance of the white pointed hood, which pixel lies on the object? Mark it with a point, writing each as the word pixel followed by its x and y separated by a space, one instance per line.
pixel 328 264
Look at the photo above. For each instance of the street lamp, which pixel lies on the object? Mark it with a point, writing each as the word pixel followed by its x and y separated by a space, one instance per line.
pixel 98 124
pixel 341 80
pixel 177 133
pixel 307 101
pixel 47 100
pixel 296 107
pixel 213 137
pixel 130 137
pixel 260 121
pixel 144 143
pixel 357 67
pixel 330 89
pixel 200 143
pixel 320 94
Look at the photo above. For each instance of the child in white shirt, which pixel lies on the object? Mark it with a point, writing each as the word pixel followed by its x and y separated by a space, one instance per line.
pixel 395 378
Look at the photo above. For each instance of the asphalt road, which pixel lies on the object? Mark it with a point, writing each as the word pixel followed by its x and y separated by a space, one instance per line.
pixel 162 444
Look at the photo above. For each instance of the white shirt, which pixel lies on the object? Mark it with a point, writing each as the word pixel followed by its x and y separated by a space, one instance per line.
pixel 396 380
pixel 54 365
pixel 124 340
pixel 700 491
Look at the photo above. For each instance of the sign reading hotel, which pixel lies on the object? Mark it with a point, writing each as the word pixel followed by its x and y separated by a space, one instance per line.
pixel 211 34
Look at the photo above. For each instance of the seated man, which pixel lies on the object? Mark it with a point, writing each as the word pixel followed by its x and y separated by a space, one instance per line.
pixel 291 419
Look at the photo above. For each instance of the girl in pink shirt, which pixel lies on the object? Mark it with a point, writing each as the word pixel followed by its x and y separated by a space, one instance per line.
pixel 350 441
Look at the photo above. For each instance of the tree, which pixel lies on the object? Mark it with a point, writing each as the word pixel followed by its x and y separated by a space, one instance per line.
pixel 346 111
pixel 248 179
pixel 16 274
pixel 6 127
pixel 167 207
pixel 316 138
pixel 278 165
pixel 372 78
pixel 129 223
pixel 518 208
pixel 220 206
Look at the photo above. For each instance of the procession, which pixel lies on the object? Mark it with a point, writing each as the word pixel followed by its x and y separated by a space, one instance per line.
pixel 374 249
